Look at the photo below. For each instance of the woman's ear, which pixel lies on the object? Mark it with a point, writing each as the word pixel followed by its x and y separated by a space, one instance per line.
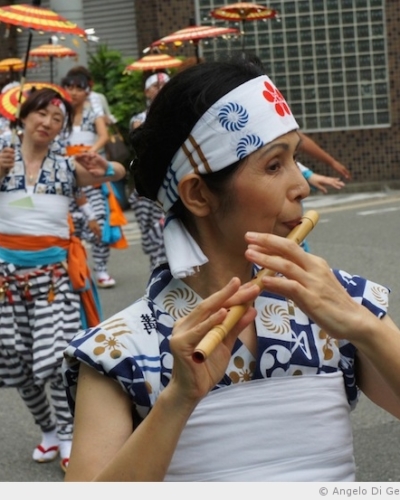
pixel 195 195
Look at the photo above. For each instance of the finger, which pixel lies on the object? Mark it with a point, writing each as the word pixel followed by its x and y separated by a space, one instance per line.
pixel 198 330
pixel 246 294
pixel 211 304
pixel 271 244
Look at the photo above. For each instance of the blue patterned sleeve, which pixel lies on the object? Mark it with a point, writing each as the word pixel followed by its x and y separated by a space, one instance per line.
pixel 375 298
pixel 122 349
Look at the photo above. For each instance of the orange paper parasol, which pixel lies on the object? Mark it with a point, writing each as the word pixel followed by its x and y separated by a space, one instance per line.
pixel 13 64
pixel 51 51
pixel 194 34
pixel 241 12
pixel 9 99
pixel 154 62
pixel 38 18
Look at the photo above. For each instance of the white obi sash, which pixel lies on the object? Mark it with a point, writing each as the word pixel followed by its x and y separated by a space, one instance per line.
pixel 34 214
pixel 79 136
pixel 277 429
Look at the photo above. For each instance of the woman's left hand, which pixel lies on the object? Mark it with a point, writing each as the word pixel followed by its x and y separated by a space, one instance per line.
pixel 94 163
pixel 309 282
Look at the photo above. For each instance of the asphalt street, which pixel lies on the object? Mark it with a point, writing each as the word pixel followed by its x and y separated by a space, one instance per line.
pixel 356 232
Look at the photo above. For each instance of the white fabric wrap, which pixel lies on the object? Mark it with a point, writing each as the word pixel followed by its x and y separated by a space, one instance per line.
pixel 280 429
pixel 244 120
pixel 84 137
pixel 41 214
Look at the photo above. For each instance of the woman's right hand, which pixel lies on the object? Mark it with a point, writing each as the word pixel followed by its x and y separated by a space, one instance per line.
pixel 194 380
pixel 7 160
pixel 94 226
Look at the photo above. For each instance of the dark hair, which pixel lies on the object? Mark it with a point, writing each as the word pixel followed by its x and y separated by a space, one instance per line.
pixel 40 99
pixel 174 112
pixel 78 76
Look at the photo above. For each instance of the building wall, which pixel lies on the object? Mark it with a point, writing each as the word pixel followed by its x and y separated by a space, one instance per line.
pixel 159 18
pixel 372 155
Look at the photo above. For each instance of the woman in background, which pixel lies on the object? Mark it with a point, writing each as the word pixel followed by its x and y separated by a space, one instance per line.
pixel 45 285
pixel 89 132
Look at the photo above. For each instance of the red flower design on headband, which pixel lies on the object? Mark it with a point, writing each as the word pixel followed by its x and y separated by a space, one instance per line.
pixel 273 95
pixel 56 102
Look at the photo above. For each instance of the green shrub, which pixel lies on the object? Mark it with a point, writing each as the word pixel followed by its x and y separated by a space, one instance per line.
pixel 124 92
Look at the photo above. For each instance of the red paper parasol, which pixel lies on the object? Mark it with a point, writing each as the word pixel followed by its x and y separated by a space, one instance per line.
pixel 13 64
pixel 9 102
pixel 51 51
pixel 154 62
pixel 194 34
pixel 241 12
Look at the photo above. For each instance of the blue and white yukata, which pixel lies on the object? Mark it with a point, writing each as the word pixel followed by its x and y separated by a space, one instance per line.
pixel 85 134
pixel 34 330
pixel 283 416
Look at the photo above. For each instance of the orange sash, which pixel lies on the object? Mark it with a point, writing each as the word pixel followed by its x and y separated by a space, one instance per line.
pixel 117 218
pixel 78 270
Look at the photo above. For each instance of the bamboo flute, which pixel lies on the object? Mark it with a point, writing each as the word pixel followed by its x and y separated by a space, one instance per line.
pixel 219 332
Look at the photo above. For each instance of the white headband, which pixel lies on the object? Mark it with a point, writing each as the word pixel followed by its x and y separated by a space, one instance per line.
pixel 244 120
pixel 58 102
pixel 156 78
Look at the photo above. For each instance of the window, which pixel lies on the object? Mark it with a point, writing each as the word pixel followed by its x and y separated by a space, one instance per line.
pixel 328 58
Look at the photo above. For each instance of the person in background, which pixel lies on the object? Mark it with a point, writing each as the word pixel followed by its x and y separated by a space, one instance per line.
pixel 152 85
pixel 150 219
pixel 320 182
pixel 148 214
pixel 46 292
pixel 272 401
pixel 90 133
pixel 312 149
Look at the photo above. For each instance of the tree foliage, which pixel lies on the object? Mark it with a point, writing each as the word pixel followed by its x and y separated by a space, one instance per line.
pixel 124 91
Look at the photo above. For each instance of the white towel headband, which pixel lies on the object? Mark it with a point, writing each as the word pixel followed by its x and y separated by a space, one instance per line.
pixel 244 120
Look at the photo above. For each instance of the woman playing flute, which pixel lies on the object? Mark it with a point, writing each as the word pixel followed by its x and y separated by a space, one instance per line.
pixel 45 284
pixel 272 401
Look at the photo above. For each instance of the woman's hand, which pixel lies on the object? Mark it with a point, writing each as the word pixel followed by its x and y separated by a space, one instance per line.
pixel 308 281
pixel 92 168
pixel 94 226
pixel 94 163
pixel 7 160
pixel 321 182
pixel 194 380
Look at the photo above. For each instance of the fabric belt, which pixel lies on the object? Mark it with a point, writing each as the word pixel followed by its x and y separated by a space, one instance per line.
pixel 78 270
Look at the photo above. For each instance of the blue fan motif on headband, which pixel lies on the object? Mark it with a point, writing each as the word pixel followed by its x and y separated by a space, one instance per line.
pixel 233 117
pixel 247 145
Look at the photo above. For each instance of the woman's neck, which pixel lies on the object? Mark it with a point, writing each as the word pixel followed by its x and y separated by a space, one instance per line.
pixel 214 276
pixel 223 264
pixel 33 152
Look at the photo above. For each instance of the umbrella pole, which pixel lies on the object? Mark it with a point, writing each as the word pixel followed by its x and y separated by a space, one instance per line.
pixel 197 51
pixel 22 83
pixel 51 69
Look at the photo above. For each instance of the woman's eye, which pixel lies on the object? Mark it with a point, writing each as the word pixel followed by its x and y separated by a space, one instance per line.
pixel 273 166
